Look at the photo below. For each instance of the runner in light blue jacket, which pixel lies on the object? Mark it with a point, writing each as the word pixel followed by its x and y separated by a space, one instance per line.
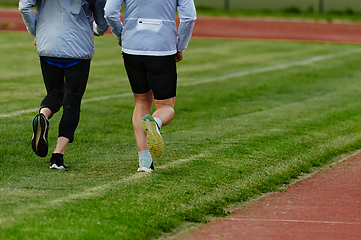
pixel 64 28
pixel 64 32
pixel 150 51
pixel 150 26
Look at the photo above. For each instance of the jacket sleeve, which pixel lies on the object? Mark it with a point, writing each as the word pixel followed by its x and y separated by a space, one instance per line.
pixel 100 24
pixel 112 15
pixel 26 10
pixel 187 15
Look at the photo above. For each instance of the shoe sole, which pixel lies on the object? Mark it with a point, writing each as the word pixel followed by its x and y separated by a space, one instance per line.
pixel 54 166
pixel 154 139
pixel 39 141
pixel 144 169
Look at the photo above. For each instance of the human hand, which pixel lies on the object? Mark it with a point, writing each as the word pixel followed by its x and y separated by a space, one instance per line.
pixel 178 57
pixel 34 41
pixel 120 42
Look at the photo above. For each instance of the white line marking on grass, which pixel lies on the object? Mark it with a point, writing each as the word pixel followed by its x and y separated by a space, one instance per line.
pixel 136 176
pixel 216 79
pixel 87 193
pixel 16 113
pixel 273 68
pixel 91 192
pixel 107 97
pixel 291 220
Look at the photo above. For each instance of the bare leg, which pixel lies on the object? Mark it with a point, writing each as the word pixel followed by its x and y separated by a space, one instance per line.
pixel 164 110
pixel 61 145
pixel 47 112
pixel 62 141
pixel 143 105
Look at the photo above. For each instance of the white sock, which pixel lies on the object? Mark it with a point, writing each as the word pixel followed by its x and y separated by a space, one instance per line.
pixel 158 121
pixel 145 154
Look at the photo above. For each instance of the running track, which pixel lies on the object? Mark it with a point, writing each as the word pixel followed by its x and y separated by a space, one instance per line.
pixel 326 205
pixel 10 20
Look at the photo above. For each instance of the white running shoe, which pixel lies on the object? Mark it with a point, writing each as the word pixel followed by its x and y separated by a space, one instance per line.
pixel 145 165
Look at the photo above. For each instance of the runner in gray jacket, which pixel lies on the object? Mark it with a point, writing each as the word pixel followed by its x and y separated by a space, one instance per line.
pixel 64 32
pixel 150 51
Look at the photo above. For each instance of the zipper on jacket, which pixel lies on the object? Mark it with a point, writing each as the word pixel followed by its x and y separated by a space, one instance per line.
pixel 150 22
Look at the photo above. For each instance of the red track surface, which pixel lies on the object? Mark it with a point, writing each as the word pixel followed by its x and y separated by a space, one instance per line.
pixel 278 30
pixel 324 206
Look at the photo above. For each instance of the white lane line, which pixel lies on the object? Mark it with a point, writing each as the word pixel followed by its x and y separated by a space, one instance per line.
pixel 216 79
pixel 291 220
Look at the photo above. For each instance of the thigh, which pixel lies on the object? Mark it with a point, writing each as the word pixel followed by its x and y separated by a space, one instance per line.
pixel 76 77
pixel 143 102
pixel 53 77
pixel 162 76
pixel 137 73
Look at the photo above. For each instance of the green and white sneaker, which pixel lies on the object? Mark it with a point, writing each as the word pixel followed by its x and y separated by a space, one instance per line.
pixel 145 165
pixel 154 138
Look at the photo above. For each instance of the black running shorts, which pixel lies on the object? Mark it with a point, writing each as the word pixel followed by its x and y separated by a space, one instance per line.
pixel 156 73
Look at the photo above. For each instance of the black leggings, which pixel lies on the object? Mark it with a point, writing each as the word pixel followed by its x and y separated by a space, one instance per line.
pixel 66 93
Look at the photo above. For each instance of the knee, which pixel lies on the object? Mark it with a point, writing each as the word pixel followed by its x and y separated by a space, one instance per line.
pixel 171 111
pixel 53 101
pixel 166 103
pixel 72 100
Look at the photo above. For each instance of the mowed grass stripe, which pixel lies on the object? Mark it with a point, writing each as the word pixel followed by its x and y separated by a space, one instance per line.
pixel 221 78
pixel 274 68
pixel 108 76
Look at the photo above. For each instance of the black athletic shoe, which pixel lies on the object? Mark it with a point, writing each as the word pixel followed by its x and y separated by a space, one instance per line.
pixel 57 161
pixel 40 136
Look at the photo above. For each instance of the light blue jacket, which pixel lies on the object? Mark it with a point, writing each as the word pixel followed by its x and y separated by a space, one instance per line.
pixel 150 26
pixel 64 28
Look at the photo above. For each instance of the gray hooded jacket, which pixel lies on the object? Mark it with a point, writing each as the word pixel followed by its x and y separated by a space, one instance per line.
pixel 64 28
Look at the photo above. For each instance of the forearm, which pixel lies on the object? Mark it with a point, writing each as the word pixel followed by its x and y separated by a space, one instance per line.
pixel 187 15
pixel 100 25
pixel 184 35
pixel 27 13
pixel 112 15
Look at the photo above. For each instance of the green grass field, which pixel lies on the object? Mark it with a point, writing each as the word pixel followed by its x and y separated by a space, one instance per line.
pixel 250 117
